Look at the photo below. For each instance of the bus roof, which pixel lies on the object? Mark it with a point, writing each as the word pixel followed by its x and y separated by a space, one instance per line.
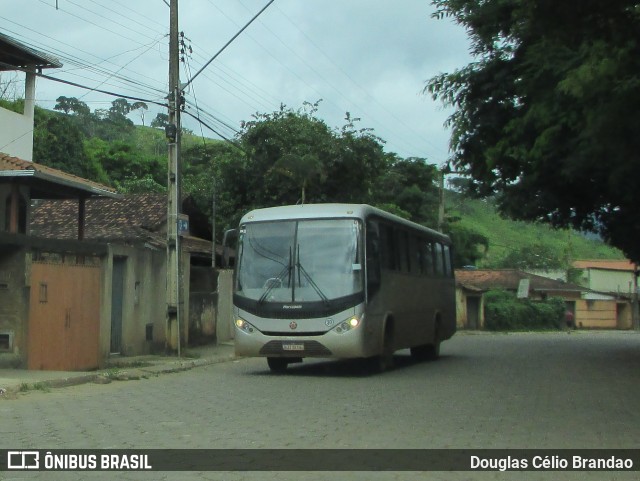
pixel 324 211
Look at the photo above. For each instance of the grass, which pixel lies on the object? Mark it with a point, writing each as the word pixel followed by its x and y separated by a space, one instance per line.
pixel 506 234
pixel 36 386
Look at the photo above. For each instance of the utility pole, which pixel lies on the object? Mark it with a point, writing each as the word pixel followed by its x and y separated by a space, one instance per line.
pixel 174 278
pixel 441 200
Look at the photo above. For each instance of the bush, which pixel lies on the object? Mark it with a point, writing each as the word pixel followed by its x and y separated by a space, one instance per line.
pixel 503 311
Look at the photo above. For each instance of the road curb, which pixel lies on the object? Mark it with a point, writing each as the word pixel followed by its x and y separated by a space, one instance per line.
pixel 115 373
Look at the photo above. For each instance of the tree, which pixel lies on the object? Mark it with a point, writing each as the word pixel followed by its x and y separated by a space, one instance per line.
pixel 58 143
pixel 142 107
pixel 160 121
pixel 8 85
pixel 546 116
pixel 469 245
pixel 276 142
pixel 409 184
pixel 71 105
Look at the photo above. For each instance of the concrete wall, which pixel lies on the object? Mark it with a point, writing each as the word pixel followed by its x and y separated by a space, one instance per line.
pixel 16 134
pixel 203 300
pixel 603 314
pixel 224 325
pixel 608 280
pixel 596 314
pixel 143 300
pixel 14 306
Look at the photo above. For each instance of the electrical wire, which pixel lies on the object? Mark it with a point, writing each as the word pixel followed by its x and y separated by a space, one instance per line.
pixel 230 41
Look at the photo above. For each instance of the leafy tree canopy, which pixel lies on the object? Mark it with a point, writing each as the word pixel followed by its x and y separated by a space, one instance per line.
pixel 546 117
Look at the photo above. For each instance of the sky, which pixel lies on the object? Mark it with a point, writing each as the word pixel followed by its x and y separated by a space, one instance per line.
pixel 370 58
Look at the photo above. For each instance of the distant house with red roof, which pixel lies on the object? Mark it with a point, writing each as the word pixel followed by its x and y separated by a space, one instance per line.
pixel 590 309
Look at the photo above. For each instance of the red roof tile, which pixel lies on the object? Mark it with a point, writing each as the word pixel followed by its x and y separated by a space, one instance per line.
pixel 605 264
pixel 129 217
pixel 484 279
pixel 132 218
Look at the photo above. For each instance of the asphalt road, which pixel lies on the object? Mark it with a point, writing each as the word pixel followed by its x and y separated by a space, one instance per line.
pixel 531 390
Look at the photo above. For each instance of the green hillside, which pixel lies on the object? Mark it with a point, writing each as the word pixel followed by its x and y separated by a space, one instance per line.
pixel 507 235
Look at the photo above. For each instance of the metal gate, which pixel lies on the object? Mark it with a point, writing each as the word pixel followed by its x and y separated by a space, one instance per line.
pixel 64 317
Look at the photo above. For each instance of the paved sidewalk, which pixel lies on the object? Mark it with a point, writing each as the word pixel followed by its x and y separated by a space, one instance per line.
pixel 118 368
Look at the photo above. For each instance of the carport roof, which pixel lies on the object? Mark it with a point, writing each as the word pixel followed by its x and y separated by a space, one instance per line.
pixel 16 56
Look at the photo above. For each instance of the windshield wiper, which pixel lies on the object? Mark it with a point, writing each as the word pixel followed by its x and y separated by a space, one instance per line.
pixel 302 270
pixel 273 281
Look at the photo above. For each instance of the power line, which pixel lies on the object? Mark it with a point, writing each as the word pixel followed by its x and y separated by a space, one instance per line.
pixel 73 59
pixel 229 42
pixel 106 92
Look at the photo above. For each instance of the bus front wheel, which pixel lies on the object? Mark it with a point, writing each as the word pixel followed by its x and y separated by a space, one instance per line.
pixel 277 364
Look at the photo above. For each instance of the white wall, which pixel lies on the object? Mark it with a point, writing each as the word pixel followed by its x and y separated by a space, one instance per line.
pixel 16 134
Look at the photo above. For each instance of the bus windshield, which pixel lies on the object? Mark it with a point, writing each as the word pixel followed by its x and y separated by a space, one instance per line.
pixel 299 261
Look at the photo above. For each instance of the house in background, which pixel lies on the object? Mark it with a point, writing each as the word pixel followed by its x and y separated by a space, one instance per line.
pixel 47 306
pixel 610 276
pixel 590 309
pixel 133 227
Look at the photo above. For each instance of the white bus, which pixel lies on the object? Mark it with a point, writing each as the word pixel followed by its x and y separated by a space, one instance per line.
pixel 340 281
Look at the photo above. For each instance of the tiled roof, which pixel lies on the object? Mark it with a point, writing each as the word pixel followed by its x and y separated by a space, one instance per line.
pixel 605 264
pixel 484 279
pixel 19 168
pixel 133 218
pixel 129 217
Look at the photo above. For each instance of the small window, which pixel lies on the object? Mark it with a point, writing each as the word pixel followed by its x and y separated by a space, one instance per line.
pixel 148 332
pixel 6 341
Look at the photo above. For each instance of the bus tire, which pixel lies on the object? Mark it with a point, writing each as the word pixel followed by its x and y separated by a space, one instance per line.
pixel 384 361
pixel 277 364
pixel 432 351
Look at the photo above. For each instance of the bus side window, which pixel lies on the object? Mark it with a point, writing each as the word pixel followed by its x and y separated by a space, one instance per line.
pixel 427 257
pixel 439 260
pixel 373 258
pixel 414 255
pixel 387 247
pixel 447 261
pixel 403 250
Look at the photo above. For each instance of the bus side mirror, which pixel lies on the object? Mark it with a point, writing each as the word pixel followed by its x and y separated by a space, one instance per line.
pixel 229 239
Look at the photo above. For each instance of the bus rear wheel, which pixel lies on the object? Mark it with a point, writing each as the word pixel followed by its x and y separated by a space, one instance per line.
pixel 277 364
pixel 432 351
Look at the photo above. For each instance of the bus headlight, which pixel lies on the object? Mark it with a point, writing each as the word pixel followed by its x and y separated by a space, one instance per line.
pixel 244 325
pixel 349 324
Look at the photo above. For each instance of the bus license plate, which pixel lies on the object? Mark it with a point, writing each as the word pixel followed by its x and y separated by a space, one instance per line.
pixel 292 347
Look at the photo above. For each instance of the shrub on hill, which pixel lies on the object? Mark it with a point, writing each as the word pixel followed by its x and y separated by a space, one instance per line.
pixel 503 311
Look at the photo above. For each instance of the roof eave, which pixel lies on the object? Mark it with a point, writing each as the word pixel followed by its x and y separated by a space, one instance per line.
pixel 92 189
